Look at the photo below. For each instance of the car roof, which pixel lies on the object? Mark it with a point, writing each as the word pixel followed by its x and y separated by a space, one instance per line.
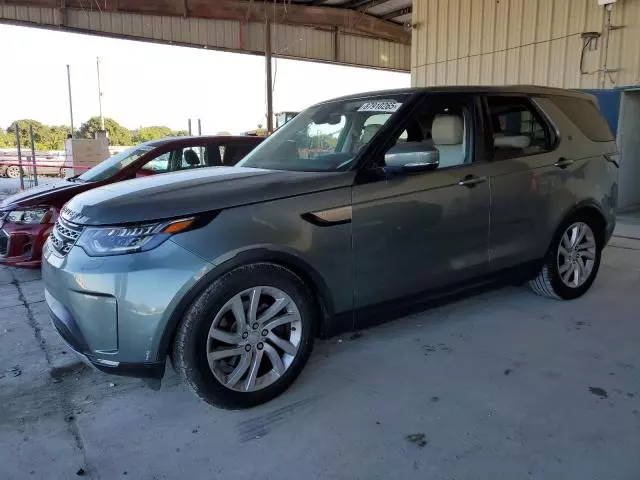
pixel 509 89
pixel 200 138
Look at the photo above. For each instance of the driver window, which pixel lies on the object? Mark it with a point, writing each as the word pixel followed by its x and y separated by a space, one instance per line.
pixel 438 132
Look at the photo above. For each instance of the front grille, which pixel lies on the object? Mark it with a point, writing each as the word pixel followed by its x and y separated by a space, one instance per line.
pixel 4 243
pixel 64 235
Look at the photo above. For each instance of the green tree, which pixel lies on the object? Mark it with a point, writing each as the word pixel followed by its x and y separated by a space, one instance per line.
pixel 53 137
pixel 45 137
pixel 25 142
pixel 117 134
pixel 6 140
pixel 144 134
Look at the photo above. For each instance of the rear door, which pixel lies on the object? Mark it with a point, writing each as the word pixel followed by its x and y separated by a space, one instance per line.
pixel 525 175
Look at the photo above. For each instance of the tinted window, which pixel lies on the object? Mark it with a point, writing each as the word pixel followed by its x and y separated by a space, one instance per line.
pixel 586 116
pixel 518 129
pixel 233 153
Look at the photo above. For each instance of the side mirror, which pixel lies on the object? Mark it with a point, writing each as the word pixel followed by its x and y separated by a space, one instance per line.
pixel 412 157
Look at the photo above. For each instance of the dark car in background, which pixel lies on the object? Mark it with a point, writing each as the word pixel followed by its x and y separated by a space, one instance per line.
pixel 351 212
pixel 26 218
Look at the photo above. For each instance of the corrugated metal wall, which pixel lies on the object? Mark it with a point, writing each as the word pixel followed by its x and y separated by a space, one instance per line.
pixel 297 42
pixel 472 42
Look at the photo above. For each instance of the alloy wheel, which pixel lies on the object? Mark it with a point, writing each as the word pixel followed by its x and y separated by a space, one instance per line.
pixel 254 339
pixel 13 171
pixel 576 254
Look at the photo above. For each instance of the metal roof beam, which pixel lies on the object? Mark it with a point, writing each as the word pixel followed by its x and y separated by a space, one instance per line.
pixel 396 13
pixel 243 10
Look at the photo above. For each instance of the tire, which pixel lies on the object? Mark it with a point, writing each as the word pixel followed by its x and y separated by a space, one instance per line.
pixel 568 276
pixel 13 171
pixel 210 330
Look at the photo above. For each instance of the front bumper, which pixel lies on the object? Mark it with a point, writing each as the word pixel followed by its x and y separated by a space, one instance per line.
pixel 21 245
pixel 114 310
pixel 68 329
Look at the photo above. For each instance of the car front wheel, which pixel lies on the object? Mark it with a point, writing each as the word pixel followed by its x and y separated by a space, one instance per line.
pixel 572 262
pixel 247 337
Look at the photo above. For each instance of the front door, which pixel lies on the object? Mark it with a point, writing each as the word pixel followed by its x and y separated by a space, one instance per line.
pixel 417 230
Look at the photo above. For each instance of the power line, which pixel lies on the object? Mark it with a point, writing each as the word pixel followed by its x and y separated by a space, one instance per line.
pixel 498 51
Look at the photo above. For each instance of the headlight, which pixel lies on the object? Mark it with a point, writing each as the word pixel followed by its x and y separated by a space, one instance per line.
pixel 29 217
pixel 118 240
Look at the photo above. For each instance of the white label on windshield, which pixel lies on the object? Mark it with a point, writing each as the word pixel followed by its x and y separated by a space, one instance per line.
pixel 385 106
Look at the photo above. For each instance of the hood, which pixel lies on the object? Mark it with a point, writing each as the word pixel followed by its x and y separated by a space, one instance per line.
pixel 194 191
pixel 37 195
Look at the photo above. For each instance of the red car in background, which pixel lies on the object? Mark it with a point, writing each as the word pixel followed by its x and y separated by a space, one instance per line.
pixel 26 218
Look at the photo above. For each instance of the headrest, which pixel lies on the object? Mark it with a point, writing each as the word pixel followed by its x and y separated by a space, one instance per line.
pixel 447 130
pixel 511 141
pixel 368 132
pixel 191 158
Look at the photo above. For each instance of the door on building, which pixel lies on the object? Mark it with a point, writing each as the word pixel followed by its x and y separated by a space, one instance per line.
pixel 629 147
pixel 418 229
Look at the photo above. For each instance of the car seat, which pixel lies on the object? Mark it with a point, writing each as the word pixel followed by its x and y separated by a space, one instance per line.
pixel 447 132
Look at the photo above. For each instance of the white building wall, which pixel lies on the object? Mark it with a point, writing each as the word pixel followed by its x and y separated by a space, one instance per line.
pixel 495 42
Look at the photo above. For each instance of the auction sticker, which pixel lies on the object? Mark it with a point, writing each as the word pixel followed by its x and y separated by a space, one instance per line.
pixel 384 106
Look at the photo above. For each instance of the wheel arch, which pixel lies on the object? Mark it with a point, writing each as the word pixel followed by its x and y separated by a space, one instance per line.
pixel 591 210
pixel 309 275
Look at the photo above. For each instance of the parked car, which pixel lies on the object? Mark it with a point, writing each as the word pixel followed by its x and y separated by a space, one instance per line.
pixel 234 271
pixel 26 218
pixel 47 163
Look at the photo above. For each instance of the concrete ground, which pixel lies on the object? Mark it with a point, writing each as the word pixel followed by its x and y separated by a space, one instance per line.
pixel 9 186
pixel 500 385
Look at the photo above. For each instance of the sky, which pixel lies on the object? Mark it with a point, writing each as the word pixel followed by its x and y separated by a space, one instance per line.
pixel 147 84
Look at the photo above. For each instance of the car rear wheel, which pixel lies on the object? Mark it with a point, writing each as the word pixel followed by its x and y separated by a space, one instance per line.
pixel 572 262
pixel 246 338
pixel 13 171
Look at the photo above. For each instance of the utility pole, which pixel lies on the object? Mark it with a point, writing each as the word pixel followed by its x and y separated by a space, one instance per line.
pixel 100 94
pixel 269 80
pixel 70 102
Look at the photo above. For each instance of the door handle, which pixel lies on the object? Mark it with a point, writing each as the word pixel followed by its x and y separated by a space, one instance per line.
pixel 471 181
pixel 563 162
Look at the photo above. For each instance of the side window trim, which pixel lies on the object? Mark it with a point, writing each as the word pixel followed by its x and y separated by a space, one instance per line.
pixel 550 128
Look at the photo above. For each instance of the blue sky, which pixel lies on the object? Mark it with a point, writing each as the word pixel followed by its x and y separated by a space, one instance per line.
pixel 151 84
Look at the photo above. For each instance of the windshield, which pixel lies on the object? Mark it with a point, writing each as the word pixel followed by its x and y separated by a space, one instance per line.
pixel 113 165
pixel 325 137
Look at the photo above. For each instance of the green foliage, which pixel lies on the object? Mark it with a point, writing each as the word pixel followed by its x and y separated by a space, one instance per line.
pixel 144 134
pixel 117 134
pixel 52 137
pixel 7 140
pixel 45 137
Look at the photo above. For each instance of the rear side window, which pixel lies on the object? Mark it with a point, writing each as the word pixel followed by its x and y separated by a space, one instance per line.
pixel 518 128
pixel 586 116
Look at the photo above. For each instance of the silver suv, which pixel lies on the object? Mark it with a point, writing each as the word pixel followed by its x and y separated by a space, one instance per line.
pixel 354 210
